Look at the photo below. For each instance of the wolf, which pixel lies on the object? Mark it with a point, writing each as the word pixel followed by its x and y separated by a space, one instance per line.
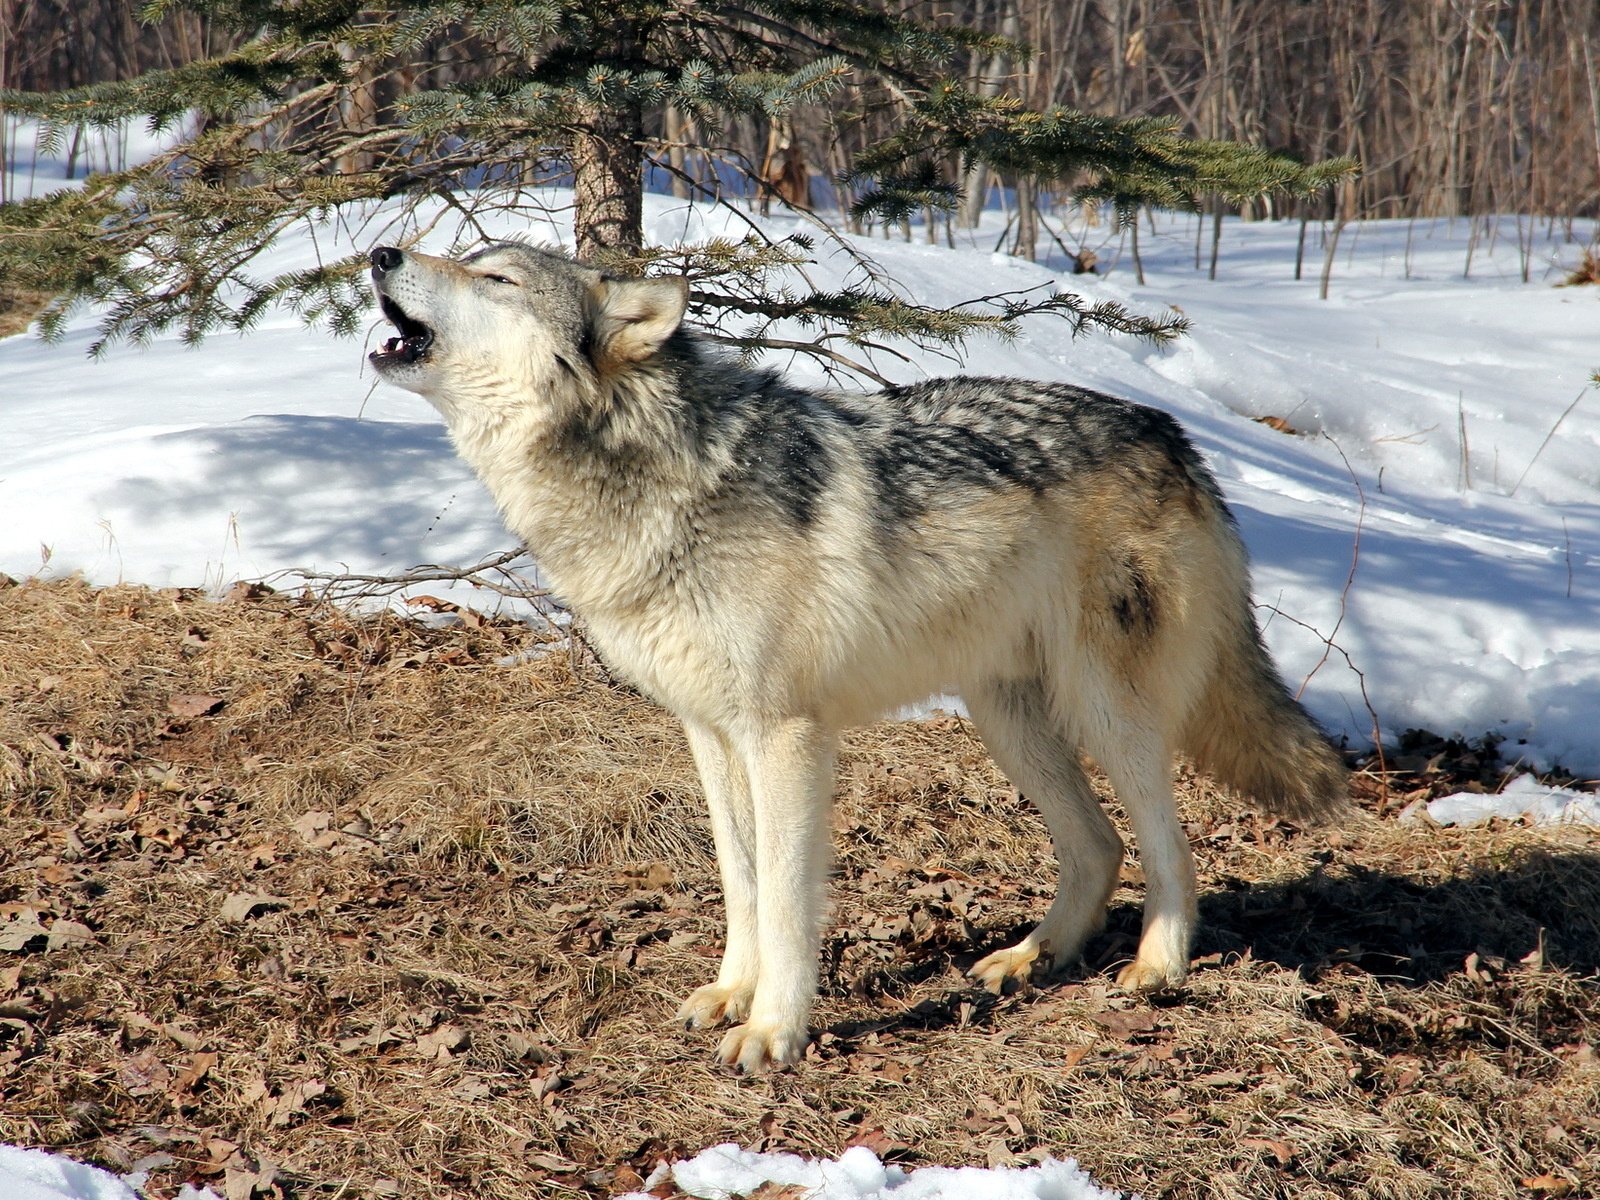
pixel 773 563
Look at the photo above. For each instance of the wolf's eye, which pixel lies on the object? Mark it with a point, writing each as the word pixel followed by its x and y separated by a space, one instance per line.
pixel 502 279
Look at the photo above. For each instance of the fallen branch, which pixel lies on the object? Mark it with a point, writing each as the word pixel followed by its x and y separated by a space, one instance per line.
pixel 492 574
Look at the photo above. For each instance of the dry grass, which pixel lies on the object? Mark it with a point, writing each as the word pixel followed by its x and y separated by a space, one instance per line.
pixel 389 919
pixel 1586 272
pixel 19 307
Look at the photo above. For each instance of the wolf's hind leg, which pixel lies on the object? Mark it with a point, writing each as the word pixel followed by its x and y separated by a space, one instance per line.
pixel 727 789
pixel 1017 723
pixel 1139 764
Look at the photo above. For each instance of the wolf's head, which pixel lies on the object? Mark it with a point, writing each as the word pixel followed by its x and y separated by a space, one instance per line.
pixel 506 326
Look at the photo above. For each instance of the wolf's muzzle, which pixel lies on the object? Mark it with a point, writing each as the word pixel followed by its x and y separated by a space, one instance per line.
pixel 385 259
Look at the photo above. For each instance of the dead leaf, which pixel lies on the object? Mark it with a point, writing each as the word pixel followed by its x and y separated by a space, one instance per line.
pixel 64 933
pixel 143 1074
pixel 442 1042
pixel 187 706
pixel 241 906
pixel 1547 1185
pixel 1277 423
pixel 878 1140
pixel 1124 1023
pixel 21 929
pixel 1280 1150
pixel 197 1069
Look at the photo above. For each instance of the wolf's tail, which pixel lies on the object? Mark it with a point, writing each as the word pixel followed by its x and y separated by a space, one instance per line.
pixel 1253 736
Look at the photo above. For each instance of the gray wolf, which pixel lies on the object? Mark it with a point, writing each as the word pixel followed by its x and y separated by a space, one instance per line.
pixel 773 563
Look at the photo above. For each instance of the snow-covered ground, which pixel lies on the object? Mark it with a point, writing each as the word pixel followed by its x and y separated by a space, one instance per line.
pixel 1435 511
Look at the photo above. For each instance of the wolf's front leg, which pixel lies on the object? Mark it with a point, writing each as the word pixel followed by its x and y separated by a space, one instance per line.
pixel 790 768
pixel 733 829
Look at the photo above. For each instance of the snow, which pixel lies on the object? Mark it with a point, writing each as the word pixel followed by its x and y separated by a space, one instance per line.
pixel 1522 798
pixel 39 1175
pixel 36 1175
pixel 727 1171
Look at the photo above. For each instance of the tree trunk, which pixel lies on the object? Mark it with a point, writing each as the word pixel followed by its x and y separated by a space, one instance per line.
pixel 608 183
pixel 608 160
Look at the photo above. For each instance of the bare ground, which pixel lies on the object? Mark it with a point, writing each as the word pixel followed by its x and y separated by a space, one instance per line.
pixel 294 903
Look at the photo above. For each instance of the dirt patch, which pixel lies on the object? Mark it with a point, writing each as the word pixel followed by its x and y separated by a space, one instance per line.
pixel 294 903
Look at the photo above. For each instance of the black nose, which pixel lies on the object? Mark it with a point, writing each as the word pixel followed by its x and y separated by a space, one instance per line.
pixel 385 258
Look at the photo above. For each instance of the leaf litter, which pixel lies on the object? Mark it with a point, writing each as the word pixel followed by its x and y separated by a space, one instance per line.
pixel 373 913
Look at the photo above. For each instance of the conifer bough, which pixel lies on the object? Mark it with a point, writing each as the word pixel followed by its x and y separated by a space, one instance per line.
pixel 329 105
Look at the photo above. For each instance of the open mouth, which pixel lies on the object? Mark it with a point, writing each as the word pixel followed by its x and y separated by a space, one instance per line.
pixel 414 340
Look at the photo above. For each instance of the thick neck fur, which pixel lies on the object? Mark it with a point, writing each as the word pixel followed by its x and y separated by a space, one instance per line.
pixel 580 467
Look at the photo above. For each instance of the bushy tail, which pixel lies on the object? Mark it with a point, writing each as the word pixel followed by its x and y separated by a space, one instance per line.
pixel 1254 737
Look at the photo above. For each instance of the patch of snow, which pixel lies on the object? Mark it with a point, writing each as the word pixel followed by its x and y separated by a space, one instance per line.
pixel 727 1171
pixel 1523 797
pixel 41 1175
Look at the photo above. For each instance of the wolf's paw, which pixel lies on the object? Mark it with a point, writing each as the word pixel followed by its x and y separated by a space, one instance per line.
pixel 714 1004
pixel 757 1045
pixel 1142 976
pixel 1014 962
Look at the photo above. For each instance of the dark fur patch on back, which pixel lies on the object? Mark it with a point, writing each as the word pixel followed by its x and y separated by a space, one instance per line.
pixel 787 462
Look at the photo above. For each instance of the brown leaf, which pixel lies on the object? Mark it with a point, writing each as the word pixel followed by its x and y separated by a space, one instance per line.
pixel 187 706
pixel 1277 423
pixel 198 1066
pixel 879 1142
pixel 64 933
pixel 143 1074
pixel 1547 1185
pixel 21 929
pixel 1124 1023
pixel 442 1041
pixel 1280 1150
pixel 241 906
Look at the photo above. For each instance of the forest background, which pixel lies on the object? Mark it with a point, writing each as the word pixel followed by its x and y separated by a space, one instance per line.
pixel 1452 107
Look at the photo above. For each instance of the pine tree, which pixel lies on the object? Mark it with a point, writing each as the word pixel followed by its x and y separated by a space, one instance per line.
pixel 333 103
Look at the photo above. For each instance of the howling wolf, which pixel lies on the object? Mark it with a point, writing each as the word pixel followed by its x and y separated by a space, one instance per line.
pixel 772 563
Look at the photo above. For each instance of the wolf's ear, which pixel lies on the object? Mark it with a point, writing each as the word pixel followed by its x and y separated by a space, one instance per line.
pixel 633 318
